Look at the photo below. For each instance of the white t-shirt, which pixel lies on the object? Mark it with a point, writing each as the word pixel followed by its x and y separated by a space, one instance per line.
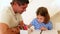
pixel 8 17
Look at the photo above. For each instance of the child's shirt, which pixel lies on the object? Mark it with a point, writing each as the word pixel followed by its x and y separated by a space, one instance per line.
pixel 38 25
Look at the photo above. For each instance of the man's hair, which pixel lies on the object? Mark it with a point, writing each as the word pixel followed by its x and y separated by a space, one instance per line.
pixel 20 2
pixel 43 12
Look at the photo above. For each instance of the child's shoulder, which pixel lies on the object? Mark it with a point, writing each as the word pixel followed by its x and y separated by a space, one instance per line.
pixel 50 22
pixel 35 19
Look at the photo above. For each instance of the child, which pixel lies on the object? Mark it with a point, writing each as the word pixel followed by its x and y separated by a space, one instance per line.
pixel 42 22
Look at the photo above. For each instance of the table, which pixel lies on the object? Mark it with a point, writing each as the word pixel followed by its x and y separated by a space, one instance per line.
pixel 38 32
pixel 45 32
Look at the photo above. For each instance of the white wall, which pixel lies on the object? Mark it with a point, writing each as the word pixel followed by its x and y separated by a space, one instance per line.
pixel 56 21
pixel 52 5
pixel 4 3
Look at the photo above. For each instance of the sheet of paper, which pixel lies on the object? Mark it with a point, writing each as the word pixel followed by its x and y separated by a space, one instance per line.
pixel 45 32
pixel 36 32
pixel 23 31
pixel 50 32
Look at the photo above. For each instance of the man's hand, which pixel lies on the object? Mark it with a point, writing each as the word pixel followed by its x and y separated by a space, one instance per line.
pixel 4 29
pixel 16 29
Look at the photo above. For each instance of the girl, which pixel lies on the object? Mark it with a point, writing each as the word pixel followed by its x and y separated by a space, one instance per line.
pixel 42 21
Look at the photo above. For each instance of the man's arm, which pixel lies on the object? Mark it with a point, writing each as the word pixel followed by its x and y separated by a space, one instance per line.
pixel 4 29
pixel 21 23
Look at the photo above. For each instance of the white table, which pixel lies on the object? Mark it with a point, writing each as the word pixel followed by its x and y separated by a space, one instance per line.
pixel 45 32
pixel 38 32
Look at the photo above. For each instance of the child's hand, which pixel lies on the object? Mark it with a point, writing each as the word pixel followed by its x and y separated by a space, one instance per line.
pixel 31 30
pixel 43 28
pixel 16 30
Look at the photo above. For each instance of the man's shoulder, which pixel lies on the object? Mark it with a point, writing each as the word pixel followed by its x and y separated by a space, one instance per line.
pixel 34 20
pixel 5 9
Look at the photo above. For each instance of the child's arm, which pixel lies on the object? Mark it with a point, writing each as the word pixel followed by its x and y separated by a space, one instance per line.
pixel 43 28
pixel 29 25
pixel 50 25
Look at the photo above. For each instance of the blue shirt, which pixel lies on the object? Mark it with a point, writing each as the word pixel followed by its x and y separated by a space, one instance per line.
pixel 37 25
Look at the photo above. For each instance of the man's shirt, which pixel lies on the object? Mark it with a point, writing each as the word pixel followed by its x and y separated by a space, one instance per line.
pixel 7 16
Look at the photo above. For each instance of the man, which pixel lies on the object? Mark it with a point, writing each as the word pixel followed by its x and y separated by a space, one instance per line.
pixel 10 17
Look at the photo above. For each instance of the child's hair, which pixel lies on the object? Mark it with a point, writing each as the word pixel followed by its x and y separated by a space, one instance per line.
pixel 43 12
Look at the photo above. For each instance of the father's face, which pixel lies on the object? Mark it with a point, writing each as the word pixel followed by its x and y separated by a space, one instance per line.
pixel 21 8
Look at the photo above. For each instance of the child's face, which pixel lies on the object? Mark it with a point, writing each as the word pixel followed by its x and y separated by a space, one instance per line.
pixel 40 18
